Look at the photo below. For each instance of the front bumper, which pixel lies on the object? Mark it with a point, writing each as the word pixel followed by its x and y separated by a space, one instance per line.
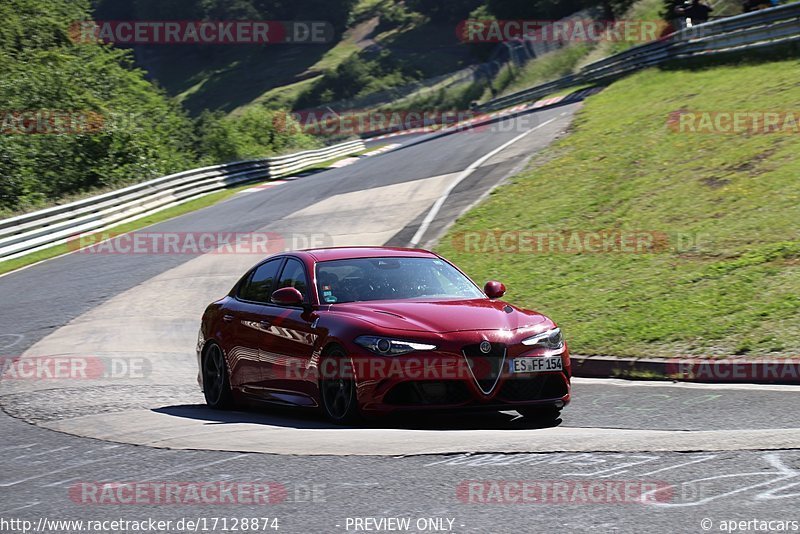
pixel 439 381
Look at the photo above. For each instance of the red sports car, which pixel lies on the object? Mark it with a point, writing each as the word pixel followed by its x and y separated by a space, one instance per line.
pixel 367 331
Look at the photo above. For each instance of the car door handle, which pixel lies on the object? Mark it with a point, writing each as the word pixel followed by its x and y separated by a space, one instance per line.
pixel 227 317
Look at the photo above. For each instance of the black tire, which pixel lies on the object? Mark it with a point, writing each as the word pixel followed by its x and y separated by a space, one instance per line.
pixel 338 391
pixel 216 379
pixel 544 414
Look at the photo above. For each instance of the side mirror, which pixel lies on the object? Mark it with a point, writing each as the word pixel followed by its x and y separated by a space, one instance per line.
pixel 494 289
pixel 287 296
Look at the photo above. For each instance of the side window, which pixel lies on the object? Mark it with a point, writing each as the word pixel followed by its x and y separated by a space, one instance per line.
pixel 259 287
pixel 294 275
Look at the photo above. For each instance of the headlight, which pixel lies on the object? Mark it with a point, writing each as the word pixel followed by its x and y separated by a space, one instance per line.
pixel 552 339
pixel 391 347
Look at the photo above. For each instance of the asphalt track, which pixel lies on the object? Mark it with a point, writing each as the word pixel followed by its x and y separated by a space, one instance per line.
pixel 727 452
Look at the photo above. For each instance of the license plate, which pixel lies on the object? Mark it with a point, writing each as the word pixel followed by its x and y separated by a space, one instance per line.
pixel 535 365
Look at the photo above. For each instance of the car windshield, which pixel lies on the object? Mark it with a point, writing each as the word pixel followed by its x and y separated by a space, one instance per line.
pixel 390 278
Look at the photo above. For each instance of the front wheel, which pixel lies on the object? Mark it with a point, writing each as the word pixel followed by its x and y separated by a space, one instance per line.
pixel 338 388
pixel 216 382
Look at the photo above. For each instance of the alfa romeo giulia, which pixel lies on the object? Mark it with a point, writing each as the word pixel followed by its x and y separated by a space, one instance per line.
pixel 359 332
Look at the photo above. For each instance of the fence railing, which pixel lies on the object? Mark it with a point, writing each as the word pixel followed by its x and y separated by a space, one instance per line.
pixel 41 229
pixel 766 28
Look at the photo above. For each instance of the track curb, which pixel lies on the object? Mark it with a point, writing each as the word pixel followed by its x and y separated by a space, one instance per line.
pixel 783 371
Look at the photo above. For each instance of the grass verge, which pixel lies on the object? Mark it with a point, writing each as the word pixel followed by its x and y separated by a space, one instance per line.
pixel 728 281
pixel 548 67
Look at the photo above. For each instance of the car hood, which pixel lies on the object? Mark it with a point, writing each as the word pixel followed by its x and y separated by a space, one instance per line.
pixel 442 316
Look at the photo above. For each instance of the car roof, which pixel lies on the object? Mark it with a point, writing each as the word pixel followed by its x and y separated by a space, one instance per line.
pixel 342 253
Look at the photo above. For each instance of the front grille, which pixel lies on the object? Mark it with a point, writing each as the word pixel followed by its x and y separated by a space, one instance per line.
pixel 428 392
pixel 538 387
pixel 486 368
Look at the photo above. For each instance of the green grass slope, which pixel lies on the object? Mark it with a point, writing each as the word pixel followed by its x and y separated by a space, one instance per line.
pixel 230 79
pixel 735 198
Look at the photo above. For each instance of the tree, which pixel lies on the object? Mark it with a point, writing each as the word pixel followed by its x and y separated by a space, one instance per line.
pixel 440 12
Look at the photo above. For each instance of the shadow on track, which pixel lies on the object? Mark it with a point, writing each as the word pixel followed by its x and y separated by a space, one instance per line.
pixel 310 420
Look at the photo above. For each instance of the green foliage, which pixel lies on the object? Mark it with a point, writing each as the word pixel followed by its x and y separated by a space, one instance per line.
pixel 231 77
pixel 729 280
pixel 537 10
pixel 334 11
pixel 618 7
pixel 553 9
pixel 482 51
pixel 543 69
pixel 358 75
pixel 440 12
pixel 256 132
pixel 457 99
pixel 394 16
pixel 139 133
pixel 142 134
pixel 363 10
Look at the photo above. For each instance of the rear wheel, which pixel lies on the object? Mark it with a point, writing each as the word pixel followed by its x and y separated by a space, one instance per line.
pixel 545 414
pixel 338 388
pixel 216 382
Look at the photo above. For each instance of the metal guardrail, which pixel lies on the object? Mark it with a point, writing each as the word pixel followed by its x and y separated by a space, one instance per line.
pixel 761 29
pixel 41 229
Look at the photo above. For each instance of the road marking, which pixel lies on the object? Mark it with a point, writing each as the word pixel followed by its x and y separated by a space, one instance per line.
pixel 343 162
pixel 21 507
pixel 781 473
pixel 61 482
pixel 461 177
pixel 15 338
pixel 695 461
pixel 381 150
pixel 677 491
pixel 635 460
pixel 355 159
pixel 41 453
pixel 28 446
pixel 192 467
pixel 76 466
pixel 261 187
pixel 685 385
